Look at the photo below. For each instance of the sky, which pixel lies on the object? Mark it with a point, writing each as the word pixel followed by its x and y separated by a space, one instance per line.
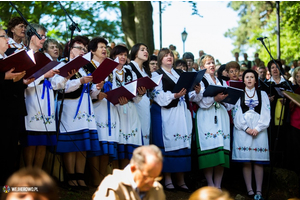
pixel 204 33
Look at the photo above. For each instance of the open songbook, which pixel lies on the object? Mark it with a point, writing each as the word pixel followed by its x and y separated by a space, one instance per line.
pixel 128 91
pixel 294 97
pixel 148 82
pixel 237 84
pixel 43 65
pixel 233 93
pixel 188 80
pixel 76 63
pixel 21 61
pixel 104 69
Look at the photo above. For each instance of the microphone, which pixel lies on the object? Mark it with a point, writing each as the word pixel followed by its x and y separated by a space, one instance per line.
pixel 261 38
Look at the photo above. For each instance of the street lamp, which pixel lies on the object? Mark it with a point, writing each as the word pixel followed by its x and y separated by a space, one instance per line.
pixel 183 37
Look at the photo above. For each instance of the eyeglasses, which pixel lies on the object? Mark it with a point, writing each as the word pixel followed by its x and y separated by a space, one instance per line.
pixel 43 37
pixel 5 36
pixel 154 63
pixel 81 49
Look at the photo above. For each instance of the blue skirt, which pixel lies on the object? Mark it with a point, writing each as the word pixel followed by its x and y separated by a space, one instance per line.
pixel 83 140
pixel 34 138
pixel 174 161
pixel 106 148
pixel 125 150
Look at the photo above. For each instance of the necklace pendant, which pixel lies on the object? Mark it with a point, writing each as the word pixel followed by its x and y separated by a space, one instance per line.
pixel 216 119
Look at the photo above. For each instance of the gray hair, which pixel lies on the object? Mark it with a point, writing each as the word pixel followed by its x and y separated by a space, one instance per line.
pixel 47 42
pixel 37 27
pixel 140 153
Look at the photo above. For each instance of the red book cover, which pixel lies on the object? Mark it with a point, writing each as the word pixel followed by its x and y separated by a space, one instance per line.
pixel 43 65
pixel 237 84
pixel 128 91
pixel 76 64
pixel 148 82
pixel 104 69
pixel 21 61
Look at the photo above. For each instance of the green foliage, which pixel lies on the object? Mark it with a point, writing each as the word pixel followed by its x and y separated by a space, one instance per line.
pixel 91 17
pixel 258 18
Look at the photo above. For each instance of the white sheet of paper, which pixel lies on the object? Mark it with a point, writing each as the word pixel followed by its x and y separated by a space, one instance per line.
pixel 157 79
pixel 131 87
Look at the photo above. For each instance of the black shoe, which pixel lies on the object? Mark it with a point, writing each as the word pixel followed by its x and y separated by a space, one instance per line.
pixel 250 195
pixel 70 182
pixel 169 189
pixel 80 177
pixel 183 189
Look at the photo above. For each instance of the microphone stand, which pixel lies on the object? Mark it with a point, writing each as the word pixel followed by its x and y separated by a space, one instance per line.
pixel 32 30
pixel 277 134
pixel 72 28
pixel 262 41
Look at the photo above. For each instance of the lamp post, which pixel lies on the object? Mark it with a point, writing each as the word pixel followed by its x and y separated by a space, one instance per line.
pixel 183 37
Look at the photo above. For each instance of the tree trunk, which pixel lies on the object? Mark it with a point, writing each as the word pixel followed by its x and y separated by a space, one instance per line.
pixel 128 25
pixel 144 23
pixel 137 23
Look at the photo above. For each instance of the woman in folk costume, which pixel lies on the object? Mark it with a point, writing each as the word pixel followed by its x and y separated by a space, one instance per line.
pixel 139 65
pixel 51 49
pixel 106 116
pixel 78 131
pixel 250 135
pixel 40 121
pixel 279 113
pixel 130 135
pixel 212 127
pixel 12 105
pixel 171 122
pixel 16 31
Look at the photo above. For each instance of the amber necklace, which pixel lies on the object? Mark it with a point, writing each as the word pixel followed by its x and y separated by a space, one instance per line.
pixel 120 75
pixel 248 95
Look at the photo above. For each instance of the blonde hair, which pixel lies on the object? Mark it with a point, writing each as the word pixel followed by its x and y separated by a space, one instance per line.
pixel 296 70
pixel 205 58
pixel 210 193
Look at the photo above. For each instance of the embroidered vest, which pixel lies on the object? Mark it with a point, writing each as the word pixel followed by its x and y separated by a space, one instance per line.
pixel 168 85
pixel 205 82
pixel 127 77
pixel 138 74
pixel 257 108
